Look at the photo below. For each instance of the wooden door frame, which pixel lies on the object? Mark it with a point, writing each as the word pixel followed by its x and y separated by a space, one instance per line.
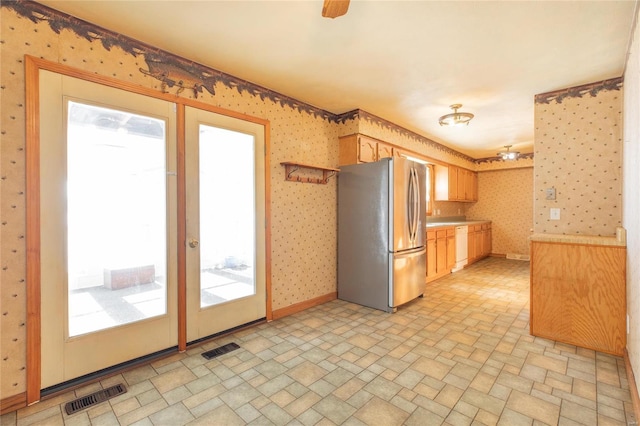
pixel 33 66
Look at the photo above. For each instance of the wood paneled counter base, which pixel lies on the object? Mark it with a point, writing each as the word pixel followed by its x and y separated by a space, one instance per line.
pixel 578 294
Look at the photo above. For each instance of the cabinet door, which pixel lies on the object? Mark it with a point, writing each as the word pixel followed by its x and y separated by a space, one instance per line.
pixel 462 184
pixel 367 149
pixel 468 186
pixel 349 150
pixel 479 243
pixel 472 186
pixel 431 256
pixel 471 245
pixel 384 150
pixel 453 183
pixel 451 251
pixel 486 240
pixel 441 251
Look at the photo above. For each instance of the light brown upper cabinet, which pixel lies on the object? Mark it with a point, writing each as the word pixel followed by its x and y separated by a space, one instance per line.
pixel 384 150
pixel 359 148
pixel 462 183
pixel 471 188
pixel 455 184
pixel 451 183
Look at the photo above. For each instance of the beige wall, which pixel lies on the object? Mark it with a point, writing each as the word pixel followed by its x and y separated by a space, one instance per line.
pixel 631 197
pixel 303 227
pixel 578 150
pixel 506 198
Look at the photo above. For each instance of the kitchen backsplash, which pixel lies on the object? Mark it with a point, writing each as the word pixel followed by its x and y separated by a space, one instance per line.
pixel 449 208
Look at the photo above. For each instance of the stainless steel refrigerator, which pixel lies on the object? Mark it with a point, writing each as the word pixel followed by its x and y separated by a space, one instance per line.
pixel 381 233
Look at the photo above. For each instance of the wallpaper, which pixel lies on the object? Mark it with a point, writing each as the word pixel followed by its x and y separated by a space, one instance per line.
pixel 631 196
pixel 578 151
pixel 303 216
pixel 506 198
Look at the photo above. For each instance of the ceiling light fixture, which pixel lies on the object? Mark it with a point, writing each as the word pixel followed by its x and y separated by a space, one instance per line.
pixel 508 155
pixel 456 118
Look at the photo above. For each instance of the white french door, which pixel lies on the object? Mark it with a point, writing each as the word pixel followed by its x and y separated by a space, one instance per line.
pixel 225 193
pixel 109 230
pixel 108 234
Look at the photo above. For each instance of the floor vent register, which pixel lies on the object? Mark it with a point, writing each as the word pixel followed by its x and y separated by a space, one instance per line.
pixel 221 350
pixel 94 398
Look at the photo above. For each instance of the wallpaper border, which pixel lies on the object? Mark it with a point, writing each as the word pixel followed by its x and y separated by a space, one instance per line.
pixel 173 71
pixel 579 91
pixel 525 156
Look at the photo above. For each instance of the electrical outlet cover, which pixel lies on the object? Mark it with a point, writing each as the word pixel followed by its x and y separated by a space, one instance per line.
pixel 554 214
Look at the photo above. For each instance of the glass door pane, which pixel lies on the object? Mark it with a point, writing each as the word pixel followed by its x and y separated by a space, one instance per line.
pixel 116 218
pixel 227 215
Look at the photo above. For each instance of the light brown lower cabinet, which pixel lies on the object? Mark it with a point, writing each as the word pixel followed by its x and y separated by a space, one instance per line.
pixel 441 252
pixel 431 254
pixel 486 239
pixel 578 295
pixel 451 248
pixel 478 242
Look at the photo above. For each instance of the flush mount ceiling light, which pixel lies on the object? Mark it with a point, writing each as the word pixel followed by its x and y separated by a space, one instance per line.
pixel 456 118
pixel 508 155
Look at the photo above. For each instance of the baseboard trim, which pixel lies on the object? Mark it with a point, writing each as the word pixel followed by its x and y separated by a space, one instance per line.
pixel 13 403
pixel 299 307
pixel 633 388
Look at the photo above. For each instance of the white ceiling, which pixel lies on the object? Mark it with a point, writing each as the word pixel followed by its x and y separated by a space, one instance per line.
pixel 404 61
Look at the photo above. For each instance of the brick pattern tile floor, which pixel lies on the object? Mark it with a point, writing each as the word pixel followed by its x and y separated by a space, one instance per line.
pixel 462 355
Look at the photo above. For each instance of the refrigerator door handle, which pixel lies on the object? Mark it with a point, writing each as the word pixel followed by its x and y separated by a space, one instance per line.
pixel 413 204
pixel 416 206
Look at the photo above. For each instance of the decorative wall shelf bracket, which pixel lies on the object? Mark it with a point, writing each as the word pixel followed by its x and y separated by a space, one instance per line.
pixel 291 167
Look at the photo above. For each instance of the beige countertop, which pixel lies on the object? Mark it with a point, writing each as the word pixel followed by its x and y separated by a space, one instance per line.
pixel 595 240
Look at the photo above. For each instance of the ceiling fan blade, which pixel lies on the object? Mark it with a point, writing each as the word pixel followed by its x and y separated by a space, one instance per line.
pixel 334 8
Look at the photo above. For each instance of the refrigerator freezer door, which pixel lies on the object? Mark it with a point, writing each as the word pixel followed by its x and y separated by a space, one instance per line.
pixel 408 276
pixel 363 234
pixel 408 209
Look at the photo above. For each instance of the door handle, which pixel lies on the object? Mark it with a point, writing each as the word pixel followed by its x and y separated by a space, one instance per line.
pixel 193 243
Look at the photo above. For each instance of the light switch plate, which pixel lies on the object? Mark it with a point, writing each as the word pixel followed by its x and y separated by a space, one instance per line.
pixel 554 214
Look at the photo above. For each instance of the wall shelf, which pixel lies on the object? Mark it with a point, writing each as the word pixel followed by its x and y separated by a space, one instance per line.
pixel 291 167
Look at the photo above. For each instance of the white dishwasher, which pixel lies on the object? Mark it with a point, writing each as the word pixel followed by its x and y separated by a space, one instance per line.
pixel 461 247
